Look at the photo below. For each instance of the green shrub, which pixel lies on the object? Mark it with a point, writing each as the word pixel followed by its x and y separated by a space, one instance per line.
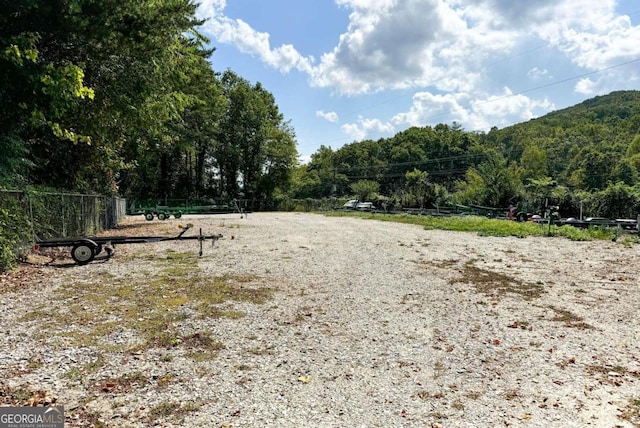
pixel 14 231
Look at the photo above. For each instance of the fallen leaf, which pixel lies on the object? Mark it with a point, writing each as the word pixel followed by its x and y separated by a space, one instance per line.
pixel 305 379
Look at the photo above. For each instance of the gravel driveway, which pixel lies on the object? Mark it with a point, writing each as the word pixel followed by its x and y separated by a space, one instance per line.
pixel 302 320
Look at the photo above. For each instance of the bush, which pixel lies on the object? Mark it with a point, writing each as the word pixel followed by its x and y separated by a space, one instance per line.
pixel 14 231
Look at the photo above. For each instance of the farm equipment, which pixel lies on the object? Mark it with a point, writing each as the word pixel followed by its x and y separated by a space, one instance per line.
pixel 85 249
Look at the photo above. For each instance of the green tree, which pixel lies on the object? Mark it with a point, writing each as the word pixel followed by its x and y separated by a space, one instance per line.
pixel 634 146
pixel 254 141
pixel 493 182
pixel 534 163
pixel 365 189
pixel 418 186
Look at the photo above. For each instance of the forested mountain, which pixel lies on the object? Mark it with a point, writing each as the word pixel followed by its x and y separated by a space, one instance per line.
pixel 586 146
pixel 118 96
pixel 567 155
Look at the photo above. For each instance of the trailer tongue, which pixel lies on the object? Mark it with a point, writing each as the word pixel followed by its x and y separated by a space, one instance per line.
pixel 85 249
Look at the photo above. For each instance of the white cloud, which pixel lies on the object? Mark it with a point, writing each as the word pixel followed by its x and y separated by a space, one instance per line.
pixel 446 50
pixel 536 73
pixel 360 130
pixel 585 86
pixel 304 160
pixel 330 116
pixel 395 45
pixel 248 40
pixel 441 44
pixel 603 83
pixel 475 114
pixel 432 108
pixel 506 109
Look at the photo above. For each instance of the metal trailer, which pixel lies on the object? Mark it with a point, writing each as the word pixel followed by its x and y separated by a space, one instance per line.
pixel 85 249
pixel 163 212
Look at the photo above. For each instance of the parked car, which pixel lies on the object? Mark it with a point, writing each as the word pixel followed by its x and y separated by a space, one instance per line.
pixel 365 206
pixel 352 204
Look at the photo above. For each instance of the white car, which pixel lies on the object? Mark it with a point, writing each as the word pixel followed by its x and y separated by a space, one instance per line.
pixel 365 206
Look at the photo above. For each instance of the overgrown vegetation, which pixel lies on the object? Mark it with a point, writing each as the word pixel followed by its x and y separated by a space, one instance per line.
pixel 24 214
pixel 15 229
pixel 488 227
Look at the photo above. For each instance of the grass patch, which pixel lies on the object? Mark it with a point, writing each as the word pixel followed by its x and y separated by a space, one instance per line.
pixel 79 373
pixel 495 284
pixel 485 226
pixel 569 319
pixel 631 412
pixel 125 383
pixel 17 396
pixel 172 410
pixel 148 309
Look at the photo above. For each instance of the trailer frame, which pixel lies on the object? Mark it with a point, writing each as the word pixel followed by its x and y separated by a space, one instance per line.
pixel 85 249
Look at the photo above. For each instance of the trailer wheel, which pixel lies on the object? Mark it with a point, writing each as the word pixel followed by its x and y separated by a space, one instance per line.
pixel 148 216
pixel 178 214
pixel 84 252
pixel 98 246
pixel 162 216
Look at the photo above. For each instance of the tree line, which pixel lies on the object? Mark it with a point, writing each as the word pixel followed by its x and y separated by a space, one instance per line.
pixel 588 153
pixel 119 97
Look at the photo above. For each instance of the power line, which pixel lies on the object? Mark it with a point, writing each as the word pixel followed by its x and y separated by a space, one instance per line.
pixel 486 67
pixel 414 163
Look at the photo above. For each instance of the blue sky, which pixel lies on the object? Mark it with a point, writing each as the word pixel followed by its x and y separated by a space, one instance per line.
pixel 347 70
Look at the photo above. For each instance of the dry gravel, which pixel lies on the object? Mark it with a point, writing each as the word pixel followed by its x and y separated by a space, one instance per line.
pixel 370 324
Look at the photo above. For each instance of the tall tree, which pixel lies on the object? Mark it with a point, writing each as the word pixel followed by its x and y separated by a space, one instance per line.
pixel 254 141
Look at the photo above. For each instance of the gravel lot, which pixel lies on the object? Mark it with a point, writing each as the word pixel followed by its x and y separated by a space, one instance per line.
pixel 328 322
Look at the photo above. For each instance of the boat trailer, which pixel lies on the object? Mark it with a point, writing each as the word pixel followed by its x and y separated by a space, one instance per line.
pixel 85 249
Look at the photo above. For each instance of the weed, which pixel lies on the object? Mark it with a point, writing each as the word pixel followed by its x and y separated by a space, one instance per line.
pixel 487 227
pixel 458 405
pixel 34 363
pixel 423 394
pixel 164 381
pixel 496 284
pixel 444 264
pixel 150 307
pixel 438 369
pixel 164 410
pixel 261 351
pixel 125 383
pixel 512 394
pixel 474 395
pixel 631 412
pixel 569 319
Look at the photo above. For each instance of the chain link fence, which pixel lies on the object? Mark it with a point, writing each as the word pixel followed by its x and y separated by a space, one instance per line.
pixel 61 215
